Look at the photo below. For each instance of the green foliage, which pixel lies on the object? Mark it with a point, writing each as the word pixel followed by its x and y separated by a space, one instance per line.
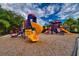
pixel 78 24
pixel 5 23
pixel 72 23
pixel 8 19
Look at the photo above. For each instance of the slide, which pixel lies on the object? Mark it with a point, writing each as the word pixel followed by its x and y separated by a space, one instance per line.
pixel 38 28
pixel 62 29
pixel 34 36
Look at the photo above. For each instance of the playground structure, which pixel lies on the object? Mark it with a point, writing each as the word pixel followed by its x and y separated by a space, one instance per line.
pixel 57 28
pixel 30 28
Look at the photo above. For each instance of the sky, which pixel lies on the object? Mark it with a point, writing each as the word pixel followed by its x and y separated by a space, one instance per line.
pixel 45 12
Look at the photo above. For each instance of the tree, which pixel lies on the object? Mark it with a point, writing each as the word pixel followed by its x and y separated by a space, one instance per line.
pixel 78 24
pixel 8 19
pixel 70 22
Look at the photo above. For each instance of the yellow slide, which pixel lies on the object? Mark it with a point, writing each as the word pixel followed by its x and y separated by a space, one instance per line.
pixel 38 28
pixel 34 36
pixel 62 29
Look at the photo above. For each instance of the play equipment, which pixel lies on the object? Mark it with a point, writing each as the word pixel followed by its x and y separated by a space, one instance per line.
pixel 62 29
pixel 33 35
pixel 29 28
pixel 48 30
pixel 14 31
pixel 66 31
pixel 56 28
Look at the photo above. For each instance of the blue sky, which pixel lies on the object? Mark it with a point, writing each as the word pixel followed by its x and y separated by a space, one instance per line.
pixel 45 12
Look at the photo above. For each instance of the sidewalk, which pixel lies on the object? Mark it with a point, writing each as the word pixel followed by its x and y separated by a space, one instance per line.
pixel 5 36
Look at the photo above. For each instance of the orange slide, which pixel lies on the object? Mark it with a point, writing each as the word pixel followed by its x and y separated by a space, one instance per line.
pixel 62 29
pixel 34 36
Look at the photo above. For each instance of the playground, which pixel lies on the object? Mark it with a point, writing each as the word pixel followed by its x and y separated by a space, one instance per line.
pixel 25 36
pixel 29 40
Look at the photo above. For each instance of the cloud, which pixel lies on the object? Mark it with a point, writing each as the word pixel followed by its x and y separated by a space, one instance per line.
pixel 69 10
pixel 30 8
pixel 63 11
pixel 41 22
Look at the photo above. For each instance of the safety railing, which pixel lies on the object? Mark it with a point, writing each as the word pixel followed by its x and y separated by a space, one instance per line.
pixel 76 48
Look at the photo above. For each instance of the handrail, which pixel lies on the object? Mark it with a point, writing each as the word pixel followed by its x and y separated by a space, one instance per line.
pixel 75 50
